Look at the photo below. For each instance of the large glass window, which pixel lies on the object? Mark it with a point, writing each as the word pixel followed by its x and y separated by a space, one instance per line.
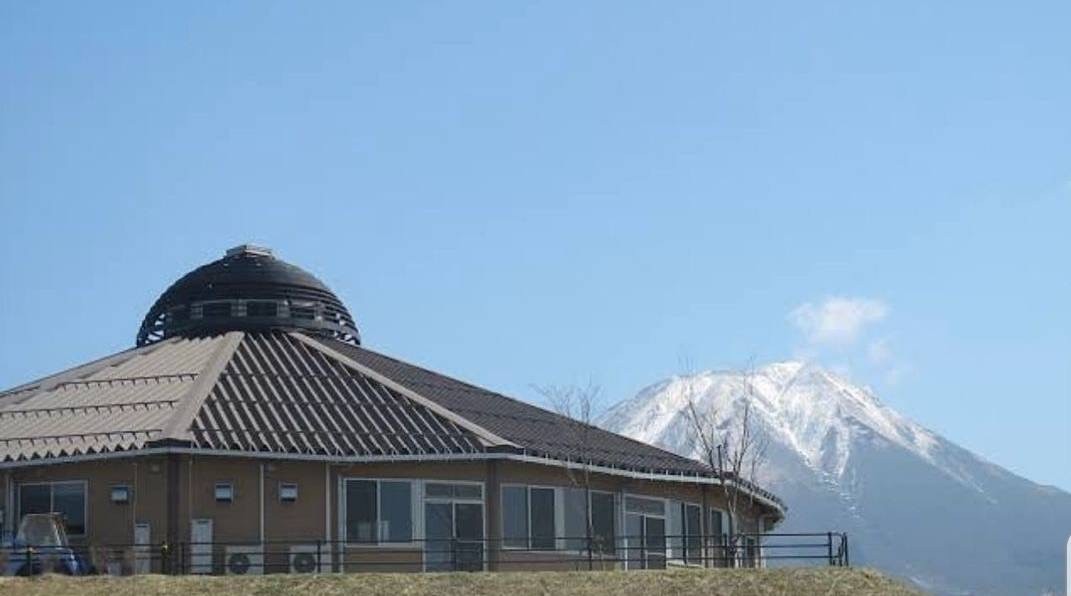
pixel 66 498
pixel 601 508
pixel 379 511
pixel 453 527
pixel 528 517
pixel 602 522
pixel 542 518
pixel 515 517
pixel 645 524
pixel 576 518
pixel 717 530
pixel 693 549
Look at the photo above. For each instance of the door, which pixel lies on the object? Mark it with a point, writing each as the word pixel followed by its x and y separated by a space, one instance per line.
pixel 439 535
pixel 645 542
pixel 454 536
pixel 142 553
pixel 201 546
pixel 654 542
pixel 468 529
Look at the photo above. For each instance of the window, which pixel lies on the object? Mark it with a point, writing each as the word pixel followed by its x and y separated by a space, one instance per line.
pixel 210 310
pixel 528 517
pixel 260 308
pixel 717 538
pixel 453 526
pixel 178 314
pixel 645 506
pixel 602 509
pixel 442 490
pixel 224 492
pixel 693 543
pixel 303 311
pixel 120 494
pixel 379 511
pixel 717 525
pixel 66 498
pixel 287 492
pixel 645 533
pixel 602 522
pixel 515 517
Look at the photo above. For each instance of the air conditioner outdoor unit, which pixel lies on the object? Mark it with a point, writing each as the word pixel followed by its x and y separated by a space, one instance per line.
pixel 307 558
pixel 245 560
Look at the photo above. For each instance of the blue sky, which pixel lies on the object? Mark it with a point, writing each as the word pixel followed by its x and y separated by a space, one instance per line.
pixel 553 192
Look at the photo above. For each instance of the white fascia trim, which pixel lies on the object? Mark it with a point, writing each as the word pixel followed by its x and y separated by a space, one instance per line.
pixel 370 459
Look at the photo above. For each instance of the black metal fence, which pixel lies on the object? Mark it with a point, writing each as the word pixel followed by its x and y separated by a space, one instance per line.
pixel 457 554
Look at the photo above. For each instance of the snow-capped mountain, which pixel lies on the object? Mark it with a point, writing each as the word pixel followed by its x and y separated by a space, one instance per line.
pixel 912 502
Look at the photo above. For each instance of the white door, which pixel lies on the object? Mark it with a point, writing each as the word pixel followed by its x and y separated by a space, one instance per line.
pixel 201 546
pixel 142 553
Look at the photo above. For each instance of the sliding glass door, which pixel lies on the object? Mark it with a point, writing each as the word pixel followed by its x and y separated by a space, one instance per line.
pixel 453 526
pixel 645 533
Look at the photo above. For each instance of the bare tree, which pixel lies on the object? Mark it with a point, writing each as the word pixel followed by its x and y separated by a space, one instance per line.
pixel 733 448
pixel 579 405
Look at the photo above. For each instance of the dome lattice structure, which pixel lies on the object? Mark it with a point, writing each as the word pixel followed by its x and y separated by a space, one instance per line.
pixel 249 289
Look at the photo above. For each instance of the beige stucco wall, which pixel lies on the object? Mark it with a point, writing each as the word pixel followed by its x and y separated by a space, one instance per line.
pixel 315 515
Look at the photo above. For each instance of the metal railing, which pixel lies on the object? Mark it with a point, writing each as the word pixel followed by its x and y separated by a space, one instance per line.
pixel 430 555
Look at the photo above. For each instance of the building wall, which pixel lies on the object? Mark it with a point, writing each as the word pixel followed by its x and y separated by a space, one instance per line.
pixel 256 515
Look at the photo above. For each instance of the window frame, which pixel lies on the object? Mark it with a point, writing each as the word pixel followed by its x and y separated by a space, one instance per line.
pixel 228 484
pixel 723 524
pixel 129 494
pixel 52 502
pixel 685 535
pixel 665 515
pixel 558 515
pixel 564 539
pixel 415 530
pixel 285 487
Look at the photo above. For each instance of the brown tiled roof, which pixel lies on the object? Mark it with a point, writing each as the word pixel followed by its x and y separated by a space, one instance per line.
pixel 291 393
pixel 255 392
pixel 537 431
pixel 278 394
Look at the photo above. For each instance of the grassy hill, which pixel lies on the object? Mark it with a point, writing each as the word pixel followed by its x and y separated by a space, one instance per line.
pixel 724 582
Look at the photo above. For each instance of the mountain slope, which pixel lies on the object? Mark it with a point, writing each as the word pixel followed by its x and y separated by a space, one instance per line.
pixel 912 502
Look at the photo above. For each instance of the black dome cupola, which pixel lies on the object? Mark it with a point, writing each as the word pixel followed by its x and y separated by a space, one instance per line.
pixel 247 290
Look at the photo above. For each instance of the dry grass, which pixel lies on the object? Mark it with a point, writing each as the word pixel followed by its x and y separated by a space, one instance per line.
pixel 723 582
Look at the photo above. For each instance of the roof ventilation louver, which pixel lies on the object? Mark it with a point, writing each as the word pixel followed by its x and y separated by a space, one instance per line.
pixel 243 291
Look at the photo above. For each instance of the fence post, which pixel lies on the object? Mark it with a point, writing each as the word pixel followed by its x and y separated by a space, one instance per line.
pixel 847 559
pixel 590 555
pixel 319 557
pixel 829 544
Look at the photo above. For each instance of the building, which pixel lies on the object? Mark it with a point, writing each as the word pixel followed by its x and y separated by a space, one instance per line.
pixel 249 430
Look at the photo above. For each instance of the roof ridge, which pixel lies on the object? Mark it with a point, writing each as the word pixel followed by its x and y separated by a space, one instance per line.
pixel 178 427
pixel 485 435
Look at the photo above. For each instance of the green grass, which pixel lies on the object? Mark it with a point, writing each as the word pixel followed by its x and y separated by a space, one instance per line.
pixel 824 581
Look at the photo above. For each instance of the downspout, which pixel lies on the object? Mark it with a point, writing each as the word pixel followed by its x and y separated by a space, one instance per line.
pixel 327 517
pixel 493 507
pixel 134 502
pixel 172 504
pixel 9 503
pixel 262 507
pixel 704 529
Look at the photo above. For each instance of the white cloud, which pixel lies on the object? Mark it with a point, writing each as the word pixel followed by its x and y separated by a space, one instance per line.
pixel 837 320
